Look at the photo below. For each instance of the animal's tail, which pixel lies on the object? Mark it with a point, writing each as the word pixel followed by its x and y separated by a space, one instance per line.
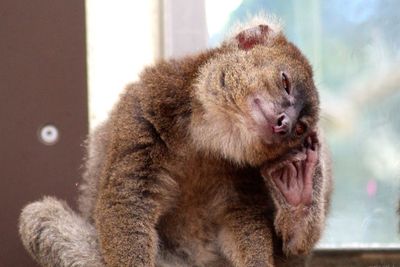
pixel 57 236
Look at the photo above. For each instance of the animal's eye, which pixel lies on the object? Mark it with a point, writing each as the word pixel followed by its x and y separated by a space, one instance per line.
pixel 222 79
pixel 285 82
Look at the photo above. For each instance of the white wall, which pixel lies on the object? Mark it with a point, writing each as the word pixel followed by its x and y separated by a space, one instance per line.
pixel 122 37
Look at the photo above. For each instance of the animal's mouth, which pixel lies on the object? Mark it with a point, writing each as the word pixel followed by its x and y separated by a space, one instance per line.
pixel 270 126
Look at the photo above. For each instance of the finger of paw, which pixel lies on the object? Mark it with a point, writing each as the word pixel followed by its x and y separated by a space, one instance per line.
pixel 292 177
pixel 293 197
pixel 300 156
pixel 307 198
pixel 312 155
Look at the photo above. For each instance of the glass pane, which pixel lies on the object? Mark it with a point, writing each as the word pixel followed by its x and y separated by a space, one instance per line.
pixel 354 49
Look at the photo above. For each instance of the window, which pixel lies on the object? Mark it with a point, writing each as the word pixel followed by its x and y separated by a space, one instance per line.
pixel 354 49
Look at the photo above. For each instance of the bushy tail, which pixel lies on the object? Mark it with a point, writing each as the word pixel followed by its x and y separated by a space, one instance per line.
pixel 56 236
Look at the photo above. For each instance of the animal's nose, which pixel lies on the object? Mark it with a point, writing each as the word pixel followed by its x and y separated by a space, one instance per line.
pixel 282 125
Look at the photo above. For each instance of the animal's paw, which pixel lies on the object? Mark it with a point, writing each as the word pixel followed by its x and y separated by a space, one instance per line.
pixel 294 176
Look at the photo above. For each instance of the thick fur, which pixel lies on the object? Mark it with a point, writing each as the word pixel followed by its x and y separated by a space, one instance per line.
pixel 96 151
pixel 173 177
pixel 56 236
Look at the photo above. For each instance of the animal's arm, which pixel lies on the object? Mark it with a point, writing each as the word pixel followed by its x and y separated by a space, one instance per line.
pixel 247 232
pixel 132 193
pixel 300 187
pixel 246 238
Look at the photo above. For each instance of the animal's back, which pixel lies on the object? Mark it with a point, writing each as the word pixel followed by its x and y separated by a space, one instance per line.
pixel 96 149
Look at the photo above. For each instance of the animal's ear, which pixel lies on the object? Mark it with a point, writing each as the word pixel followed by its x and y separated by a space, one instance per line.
pixel 258 35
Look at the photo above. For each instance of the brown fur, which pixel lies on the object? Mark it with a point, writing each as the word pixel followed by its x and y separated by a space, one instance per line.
pixel 182 167
pixel 179 164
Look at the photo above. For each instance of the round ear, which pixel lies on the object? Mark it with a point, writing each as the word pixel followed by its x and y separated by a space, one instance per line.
pixel 259 35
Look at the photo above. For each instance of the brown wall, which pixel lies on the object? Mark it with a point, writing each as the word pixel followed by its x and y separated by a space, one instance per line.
pixel 42 80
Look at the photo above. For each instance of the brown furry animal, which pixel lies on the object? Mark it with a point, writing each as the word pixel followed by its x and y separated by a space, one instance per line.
pixel 211 160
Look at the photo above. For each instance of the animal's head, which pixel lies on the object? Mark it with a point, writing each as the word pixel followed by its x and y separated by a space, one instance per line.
pixel 257 97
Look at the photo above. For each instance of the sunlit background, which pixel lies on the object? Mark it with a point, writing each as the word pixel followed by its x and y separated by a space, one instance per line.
pixel 122 38
pixel 354 49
